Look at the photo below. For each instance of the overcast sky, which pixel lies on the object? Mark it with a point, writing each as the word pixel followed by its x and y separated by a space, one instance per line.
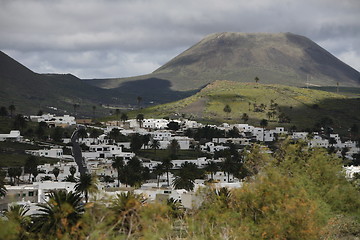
pixel 100 39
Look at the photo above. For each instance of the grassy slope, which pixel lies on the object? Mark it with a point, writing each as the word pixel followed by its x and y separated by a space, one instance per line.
pixel 297 103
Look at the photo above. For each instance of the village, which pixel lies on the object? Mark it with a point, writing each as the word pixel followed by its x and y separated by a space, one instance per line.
pixel 120 143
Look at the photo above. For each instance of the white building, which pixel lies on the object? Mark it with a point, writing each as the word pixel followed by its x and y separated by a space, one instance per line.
pixel 14 136
pixel 155 123
pixel 51 153
pixel 299 135
pixel 318 141
pixel 53 120
pixel 106 151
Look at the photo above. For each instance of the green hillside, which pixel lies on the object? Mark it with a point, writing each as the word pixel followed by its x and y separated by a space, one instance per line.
pixel 290 105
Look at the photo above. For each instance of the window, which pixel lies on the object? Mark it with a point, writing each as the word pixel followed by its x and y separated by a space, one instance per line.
pixel 31 194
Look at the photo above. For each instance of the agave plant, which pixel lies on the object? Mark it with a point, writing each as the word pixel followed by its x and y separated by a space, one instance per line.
pixel 59 215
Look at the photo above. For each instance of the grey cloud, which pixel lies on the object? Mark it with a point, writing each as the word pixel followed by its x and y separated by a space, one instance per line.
pixel 122 38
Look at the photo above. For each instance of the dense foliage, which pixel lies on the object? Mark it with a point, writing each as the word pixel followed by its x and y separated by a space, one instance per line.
pixel 294 193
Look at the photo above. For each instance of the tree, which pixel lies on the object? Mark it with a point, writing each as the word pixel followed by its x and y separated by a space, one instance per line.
pixel 17 173
pixel 263 123
pixel 245 117
pixel 17 214
pixel 56 172
pixel 95 133
pixel 136 143
pixel 229 167
pixel 167 165
pixel 72 170
pixel 19 122
pixel 173 148
pixel 41 130
pixel 133 172
pixel 227 110
pixel 174 126
pixel 118 164
pixel 256 79
pixel 12 109
pixel 12 174
pixel 31 164
pixel 146 140
pixel 35 173
pixel 60 215
pixel 114 134
pixel 140 119
pixel 82 133
pixel 158 171
pixel 185 177
pixel 124 117
pixel 86 185
pixel 155 144
pixel 57 134
pixel 212 168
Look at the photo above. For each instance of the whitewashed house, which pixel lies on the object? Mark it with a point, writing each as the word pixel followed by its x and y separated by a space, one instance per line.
pixel 51 153
pixel 13 136
pixel 299 135
pixel 53 120
pixel 106 151
pixel 318 141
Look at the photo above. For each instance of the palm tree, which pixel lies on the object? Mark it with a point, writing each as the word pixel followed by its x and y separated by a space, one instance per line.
pixel 158 171
pixel 139 119
pixel 30 166
pixel 174 148
pixel 59 215
pixel 155 144
pixel 17 214
pixel 18 172
pixel 185 177
pixel 167 165
pixel 118 164
pixel 124 117
pixel 228 166
pixel 56 172
pixel 212 168
pixel 82 133
pixel 12 175
pixel 86 185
